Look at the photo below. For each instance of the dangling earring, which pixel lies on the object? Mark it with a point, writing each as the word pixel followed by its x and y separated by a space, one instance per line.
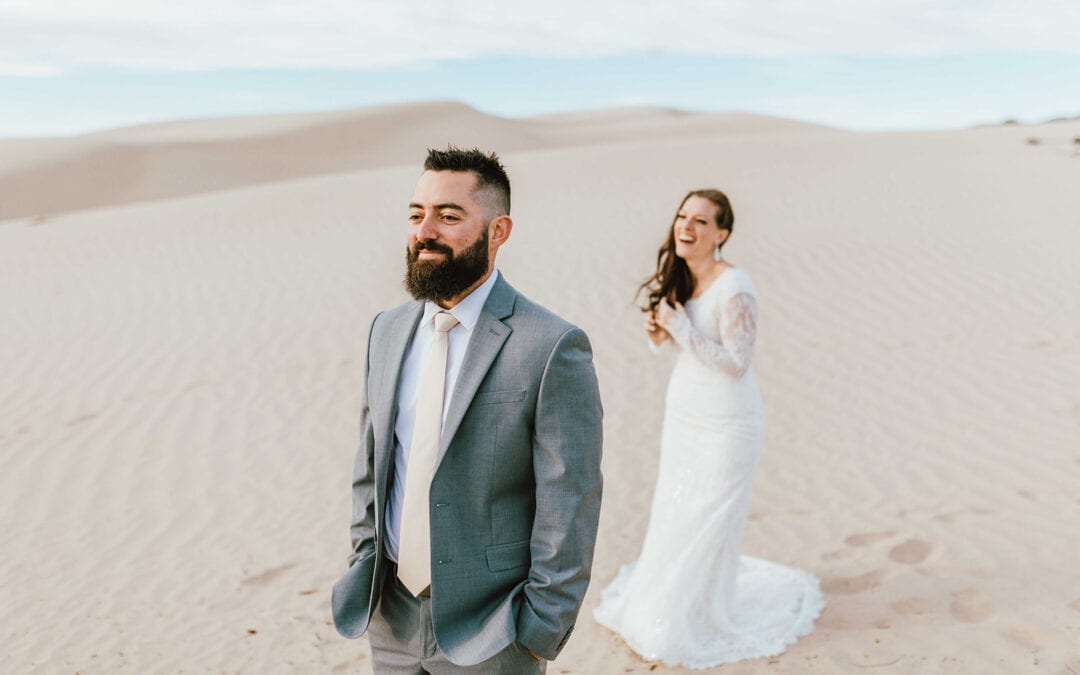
pixel 716 253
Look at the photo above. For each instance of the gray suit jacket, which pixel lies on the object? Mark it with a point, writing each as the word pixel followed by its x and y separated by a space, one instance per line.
pixel 515 498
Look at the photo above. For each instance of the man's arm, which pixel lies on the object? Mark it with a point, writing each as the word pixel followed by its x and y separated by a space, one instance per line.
pixel 362 527
pixel 350 599
pixel 567 443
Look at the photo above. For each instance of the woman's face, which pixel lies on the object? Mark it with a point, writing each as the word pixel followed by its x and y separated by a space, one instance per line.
pixel 696 233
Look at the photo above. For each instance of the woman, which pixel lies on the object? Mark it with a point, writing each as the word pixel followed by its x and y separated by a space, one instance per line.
pixel 691 599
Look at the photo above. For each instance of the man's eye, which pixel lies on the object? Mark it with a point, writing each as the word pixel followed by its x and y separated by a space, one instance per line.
pixel 451 217
pixel 414 217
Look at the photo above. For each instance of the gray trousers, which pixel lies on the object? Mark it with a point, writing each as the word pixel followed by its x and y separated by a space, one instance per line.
pixel 403 640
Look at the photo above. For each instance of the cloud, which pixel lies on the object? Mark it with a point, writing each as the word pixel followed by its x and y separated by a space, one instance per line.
pixel 27 70
pixel 370 34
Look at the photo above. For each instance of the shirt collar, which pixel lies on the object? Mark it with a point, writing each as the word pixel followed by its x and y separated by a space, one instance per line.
pixel 467 312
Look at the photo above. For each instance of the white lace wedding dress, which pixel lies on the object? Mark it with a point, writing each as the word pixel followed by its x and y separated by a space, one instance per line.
pixel 691 599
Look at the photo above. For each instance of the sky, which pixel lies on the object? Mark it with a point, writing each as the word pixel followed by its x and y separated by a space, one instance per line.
pixel 68 66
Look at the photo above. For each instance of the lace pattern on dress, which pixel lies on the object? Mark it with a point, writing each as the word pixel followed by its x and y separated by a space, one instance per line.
pixel 738 330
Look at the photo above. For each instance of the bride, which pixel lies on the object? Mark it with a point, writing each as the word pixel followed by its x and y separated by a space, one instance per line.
pixel 691 599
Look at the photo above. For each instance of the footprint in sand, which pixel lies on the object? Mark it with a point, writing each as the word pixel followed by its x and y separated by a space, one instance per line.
pixel 971 606
pixel 1075 604
pixel 867 538
pixel 911 552
pixel 1027 637
pixel 852 585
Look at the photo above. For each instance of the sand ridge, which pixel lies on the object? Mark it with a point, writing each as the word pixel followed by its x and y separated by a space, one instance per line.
pixel 40 177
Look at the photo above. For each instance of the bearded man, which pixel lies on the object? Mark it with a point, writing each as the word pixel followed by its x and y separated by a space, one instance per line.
pixel 476 488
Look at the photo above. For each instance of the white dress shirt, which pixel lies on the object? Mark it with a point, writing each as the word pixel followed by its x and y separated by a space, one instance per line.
pixel 467 312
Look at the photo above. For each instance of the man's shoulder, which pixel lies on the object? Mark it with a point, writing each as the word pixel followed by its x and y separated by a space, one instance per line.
pixel 388 318
pixel 539 320
pixel 402 310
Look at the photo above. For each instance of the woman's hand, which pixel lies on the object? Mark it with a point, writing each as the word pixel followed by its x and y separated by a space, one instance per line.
pixel 672 319
pixel 665 313
pixel 657 335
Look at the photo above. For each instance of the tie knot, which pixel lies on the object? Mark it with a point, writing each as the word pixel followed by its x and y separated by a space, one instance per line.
pixel 444 321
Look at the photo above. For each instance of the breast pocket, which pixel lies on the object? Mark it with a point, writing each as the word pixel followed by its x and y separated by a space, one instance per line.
pixel 508 556
pixel 496 397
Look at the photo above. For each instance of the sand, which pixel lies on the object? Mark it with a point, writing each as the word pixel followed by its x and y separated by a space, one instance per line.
pixel 184 314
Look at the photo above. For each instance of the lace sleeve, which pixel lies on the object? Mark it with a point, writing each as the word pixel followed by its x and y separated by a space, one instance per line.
pixel 738 328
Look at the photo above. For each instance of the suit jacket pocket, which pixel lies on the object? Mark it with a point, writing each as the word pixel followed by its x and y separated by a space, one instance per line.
pixel 508 556
pixel 501 396
pixel 350 599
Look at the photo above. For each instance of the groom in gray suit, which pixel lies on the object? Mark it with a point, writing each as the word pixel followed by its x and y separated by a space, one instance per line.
pixel 476 488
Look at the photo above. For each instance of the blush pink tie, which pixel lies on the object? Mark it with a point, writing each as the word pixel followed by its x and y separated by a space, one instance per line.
pixel 414 551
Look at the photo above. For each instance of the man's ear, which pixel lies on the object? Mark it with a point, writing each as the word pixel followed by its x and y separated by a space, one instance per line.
pixel 500 230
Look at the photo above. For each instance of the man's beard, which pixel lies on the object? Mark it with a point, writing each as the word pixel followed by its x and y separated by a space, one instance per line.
pixel 441 280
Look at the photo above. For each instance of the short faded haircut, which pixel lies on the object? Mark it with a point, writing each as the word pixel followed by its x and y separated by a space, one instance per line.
pixel 491 177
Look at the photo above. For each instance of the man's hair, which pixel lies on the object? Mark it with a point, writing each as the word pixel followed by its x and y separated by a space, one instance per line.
pixel 490 175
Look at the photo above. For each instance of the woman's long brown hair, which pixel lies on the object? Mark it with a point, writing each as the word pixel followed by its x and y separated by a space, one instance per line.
pixel 672 280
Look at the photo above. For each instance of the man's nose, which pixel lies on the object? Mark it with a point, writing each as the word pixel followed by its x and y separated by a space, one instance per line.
pixel 426 230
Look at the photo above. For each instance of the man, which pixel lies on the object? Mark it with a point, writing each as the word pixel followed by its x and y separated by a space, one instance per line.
pixel 476 489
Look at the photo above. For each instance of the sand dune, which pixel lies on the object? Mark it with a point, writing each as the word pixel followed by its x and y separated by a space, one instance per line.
pixel 41 177
pixel 181 375
pixel 183 158
pixel 636 124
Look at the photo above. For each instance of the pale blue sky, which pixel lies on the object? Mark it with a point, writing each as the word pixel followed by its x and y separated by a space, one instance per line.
pixel 883 64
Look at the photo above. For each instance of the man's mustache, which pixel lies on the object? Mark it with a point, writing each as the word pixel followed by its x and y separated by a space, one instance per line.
pixel 432 246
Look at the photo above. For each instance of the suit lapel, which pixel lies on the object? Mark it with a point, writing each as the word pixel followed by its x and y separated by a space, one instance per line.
pixel 488 337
